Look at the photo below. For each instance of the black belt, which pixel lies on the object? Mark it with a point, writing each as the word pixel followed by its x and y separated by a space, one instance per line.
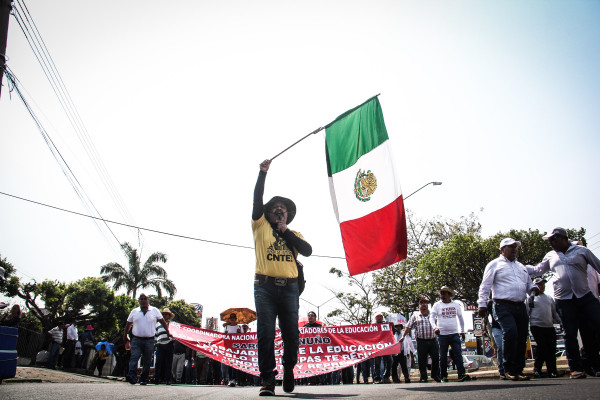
pixel 275 280
pixel 143 337
pixel 514 303
pixel 425 339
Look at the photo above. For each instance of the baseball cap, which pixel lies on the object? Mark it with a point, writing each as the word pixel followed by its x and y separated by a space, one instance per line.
pixel 556 231
pixel 508 242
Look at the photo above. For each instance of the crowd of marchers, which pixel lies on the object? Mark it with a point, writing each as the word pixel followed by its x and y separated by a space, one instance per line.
pixel 512 299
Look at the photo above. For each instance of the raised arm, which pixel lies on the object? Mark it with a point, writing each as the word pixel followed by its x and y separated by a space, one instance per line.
pixel 259 189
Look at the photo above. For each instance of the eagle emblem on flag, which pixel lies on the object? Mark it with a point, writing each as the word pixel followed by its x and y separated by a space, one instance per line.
pixel 365 185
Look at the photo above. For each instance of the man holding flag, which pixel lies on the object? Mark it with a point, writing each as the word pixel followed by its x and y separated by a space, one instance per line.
pixel 276 290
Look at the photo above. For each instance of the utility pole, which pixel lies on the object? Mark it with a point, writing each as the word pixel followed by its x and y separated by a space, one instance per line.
pixel 5 7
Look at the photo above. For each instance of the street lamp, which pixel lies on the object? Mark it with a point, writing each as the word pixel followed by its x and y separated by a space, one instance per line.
pixel 430 183
pixel 318 307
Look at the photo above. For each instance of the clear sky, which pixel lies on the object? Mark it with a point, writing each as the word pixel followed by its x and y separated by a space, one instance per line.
pixel 498 100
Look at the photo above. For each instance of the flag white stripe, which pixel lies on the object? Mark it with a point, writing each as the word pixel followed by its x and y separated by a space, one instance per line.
pixel 381 163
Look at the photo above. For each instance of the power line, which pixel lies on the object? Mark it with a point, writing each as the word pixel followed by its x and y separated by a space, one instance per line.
pixel 66 169
pixel 145 229
pixel 50 70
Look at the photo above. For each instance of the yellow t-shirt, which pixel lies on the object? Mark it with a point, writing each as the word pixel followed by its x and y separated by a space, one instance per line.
pixel 273 258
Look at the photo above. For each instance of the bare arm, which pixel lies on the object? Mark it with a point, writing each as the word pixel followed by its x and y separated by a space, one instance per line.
pixel 128 326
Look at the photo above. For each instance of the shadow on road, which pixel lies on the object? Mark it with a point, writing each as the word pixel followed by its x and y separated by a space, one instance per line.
pixel 469 388
pixel 320 396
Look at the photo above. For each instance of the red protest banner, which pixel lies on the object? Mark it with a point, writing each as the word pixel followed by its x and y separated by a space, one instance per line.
pixel 322 349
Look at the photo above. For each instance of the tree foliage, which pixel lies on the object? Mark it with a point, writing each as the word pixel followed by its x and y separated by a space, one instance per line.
pixel 89 301
pixel 185 313
pixel 356 307
pixel 399 286
pixel 135 277
pixel 451 253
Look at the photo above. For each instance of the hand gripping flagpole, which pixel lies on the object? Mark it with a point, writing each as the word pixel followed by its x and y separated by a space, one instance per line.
pixel 323 127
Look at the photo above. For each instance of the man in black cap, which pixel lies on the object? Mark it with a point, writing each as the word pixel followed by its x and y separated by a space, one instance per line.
pixel 578 308
pixel 276 290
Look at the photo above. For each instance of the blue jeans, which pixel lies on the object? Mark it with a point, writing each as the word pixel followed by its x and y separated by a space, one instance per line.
pixel 141 347
pixel 581 314
pixel 514 321
pixel 53 355
pixel 453 341
pixel 497 332
pixel 365 368
pixel 272 302
pixel 387 367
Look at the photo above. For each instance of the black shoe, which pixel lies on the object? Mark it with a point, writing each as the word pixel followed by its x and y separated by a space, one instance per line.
pixel 131 379
pixel 423 380
pixel 437 379
pixel 537 374
pixel 288 380
pixel 268 389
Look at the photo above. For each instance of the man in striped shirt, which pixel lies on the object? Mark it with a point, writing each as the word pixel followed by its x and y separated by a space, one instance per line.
pixel 427 344
pixel 164 351
pixel 57 339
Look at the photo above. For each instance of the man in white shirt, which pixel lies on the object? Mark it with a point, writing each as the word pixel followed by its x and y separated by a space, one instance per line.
pixel 578 308
pixel 70 345
pixel 446 315
pixel 509 283
pixel 142 323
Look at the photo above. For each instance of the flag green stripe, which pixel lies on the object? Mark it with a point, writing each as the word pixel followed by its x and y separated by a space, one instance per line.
pixel 354 134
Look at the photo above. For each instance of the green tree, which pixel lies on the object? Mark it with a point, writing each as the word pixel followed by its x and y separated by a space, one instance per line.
pixel 461 261
pixel 356 307
pixel 151 274
pixel 184 313
pixel 399 286
pixel 88 300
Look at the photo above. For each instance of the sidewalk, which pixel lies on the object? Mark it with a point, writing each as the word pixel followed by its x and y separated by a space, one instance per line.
pixel 39 374
pixel 492 372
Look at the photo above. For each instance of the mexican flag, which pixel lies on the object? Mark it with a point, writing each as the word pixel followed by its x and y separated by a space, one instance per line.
pixel 366 195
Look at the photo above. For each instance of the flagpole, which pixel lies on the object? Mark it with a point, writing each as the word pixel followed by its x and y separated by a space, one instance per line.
pixel 289 147
pixel 323 127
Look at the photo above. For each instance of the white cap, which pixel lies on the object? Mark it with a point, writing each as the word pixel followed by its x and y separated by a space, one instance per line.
pixel 508 242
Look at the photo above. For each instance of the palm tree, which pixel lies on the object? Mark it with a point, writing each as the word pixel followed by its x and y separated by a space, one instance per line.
pixel 150 275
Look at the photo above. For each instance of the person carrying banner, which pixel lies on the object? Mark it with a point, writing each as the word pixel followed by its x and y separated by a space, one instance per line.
pixel 276 293
pixel 427 344
pixel 387 361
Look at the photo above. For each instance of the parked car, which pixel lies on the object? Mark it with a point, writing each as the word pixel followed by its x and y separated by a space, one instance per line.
pixel 474 362
pixel 470 364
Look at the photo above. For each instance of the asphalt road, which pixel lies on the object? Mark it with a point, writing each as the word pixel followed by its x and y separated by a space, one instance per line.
pixel 562 388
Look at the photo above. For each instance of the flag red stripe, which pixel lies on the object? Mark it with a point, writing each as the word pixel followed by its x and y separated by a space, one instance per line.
pixel 376 240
